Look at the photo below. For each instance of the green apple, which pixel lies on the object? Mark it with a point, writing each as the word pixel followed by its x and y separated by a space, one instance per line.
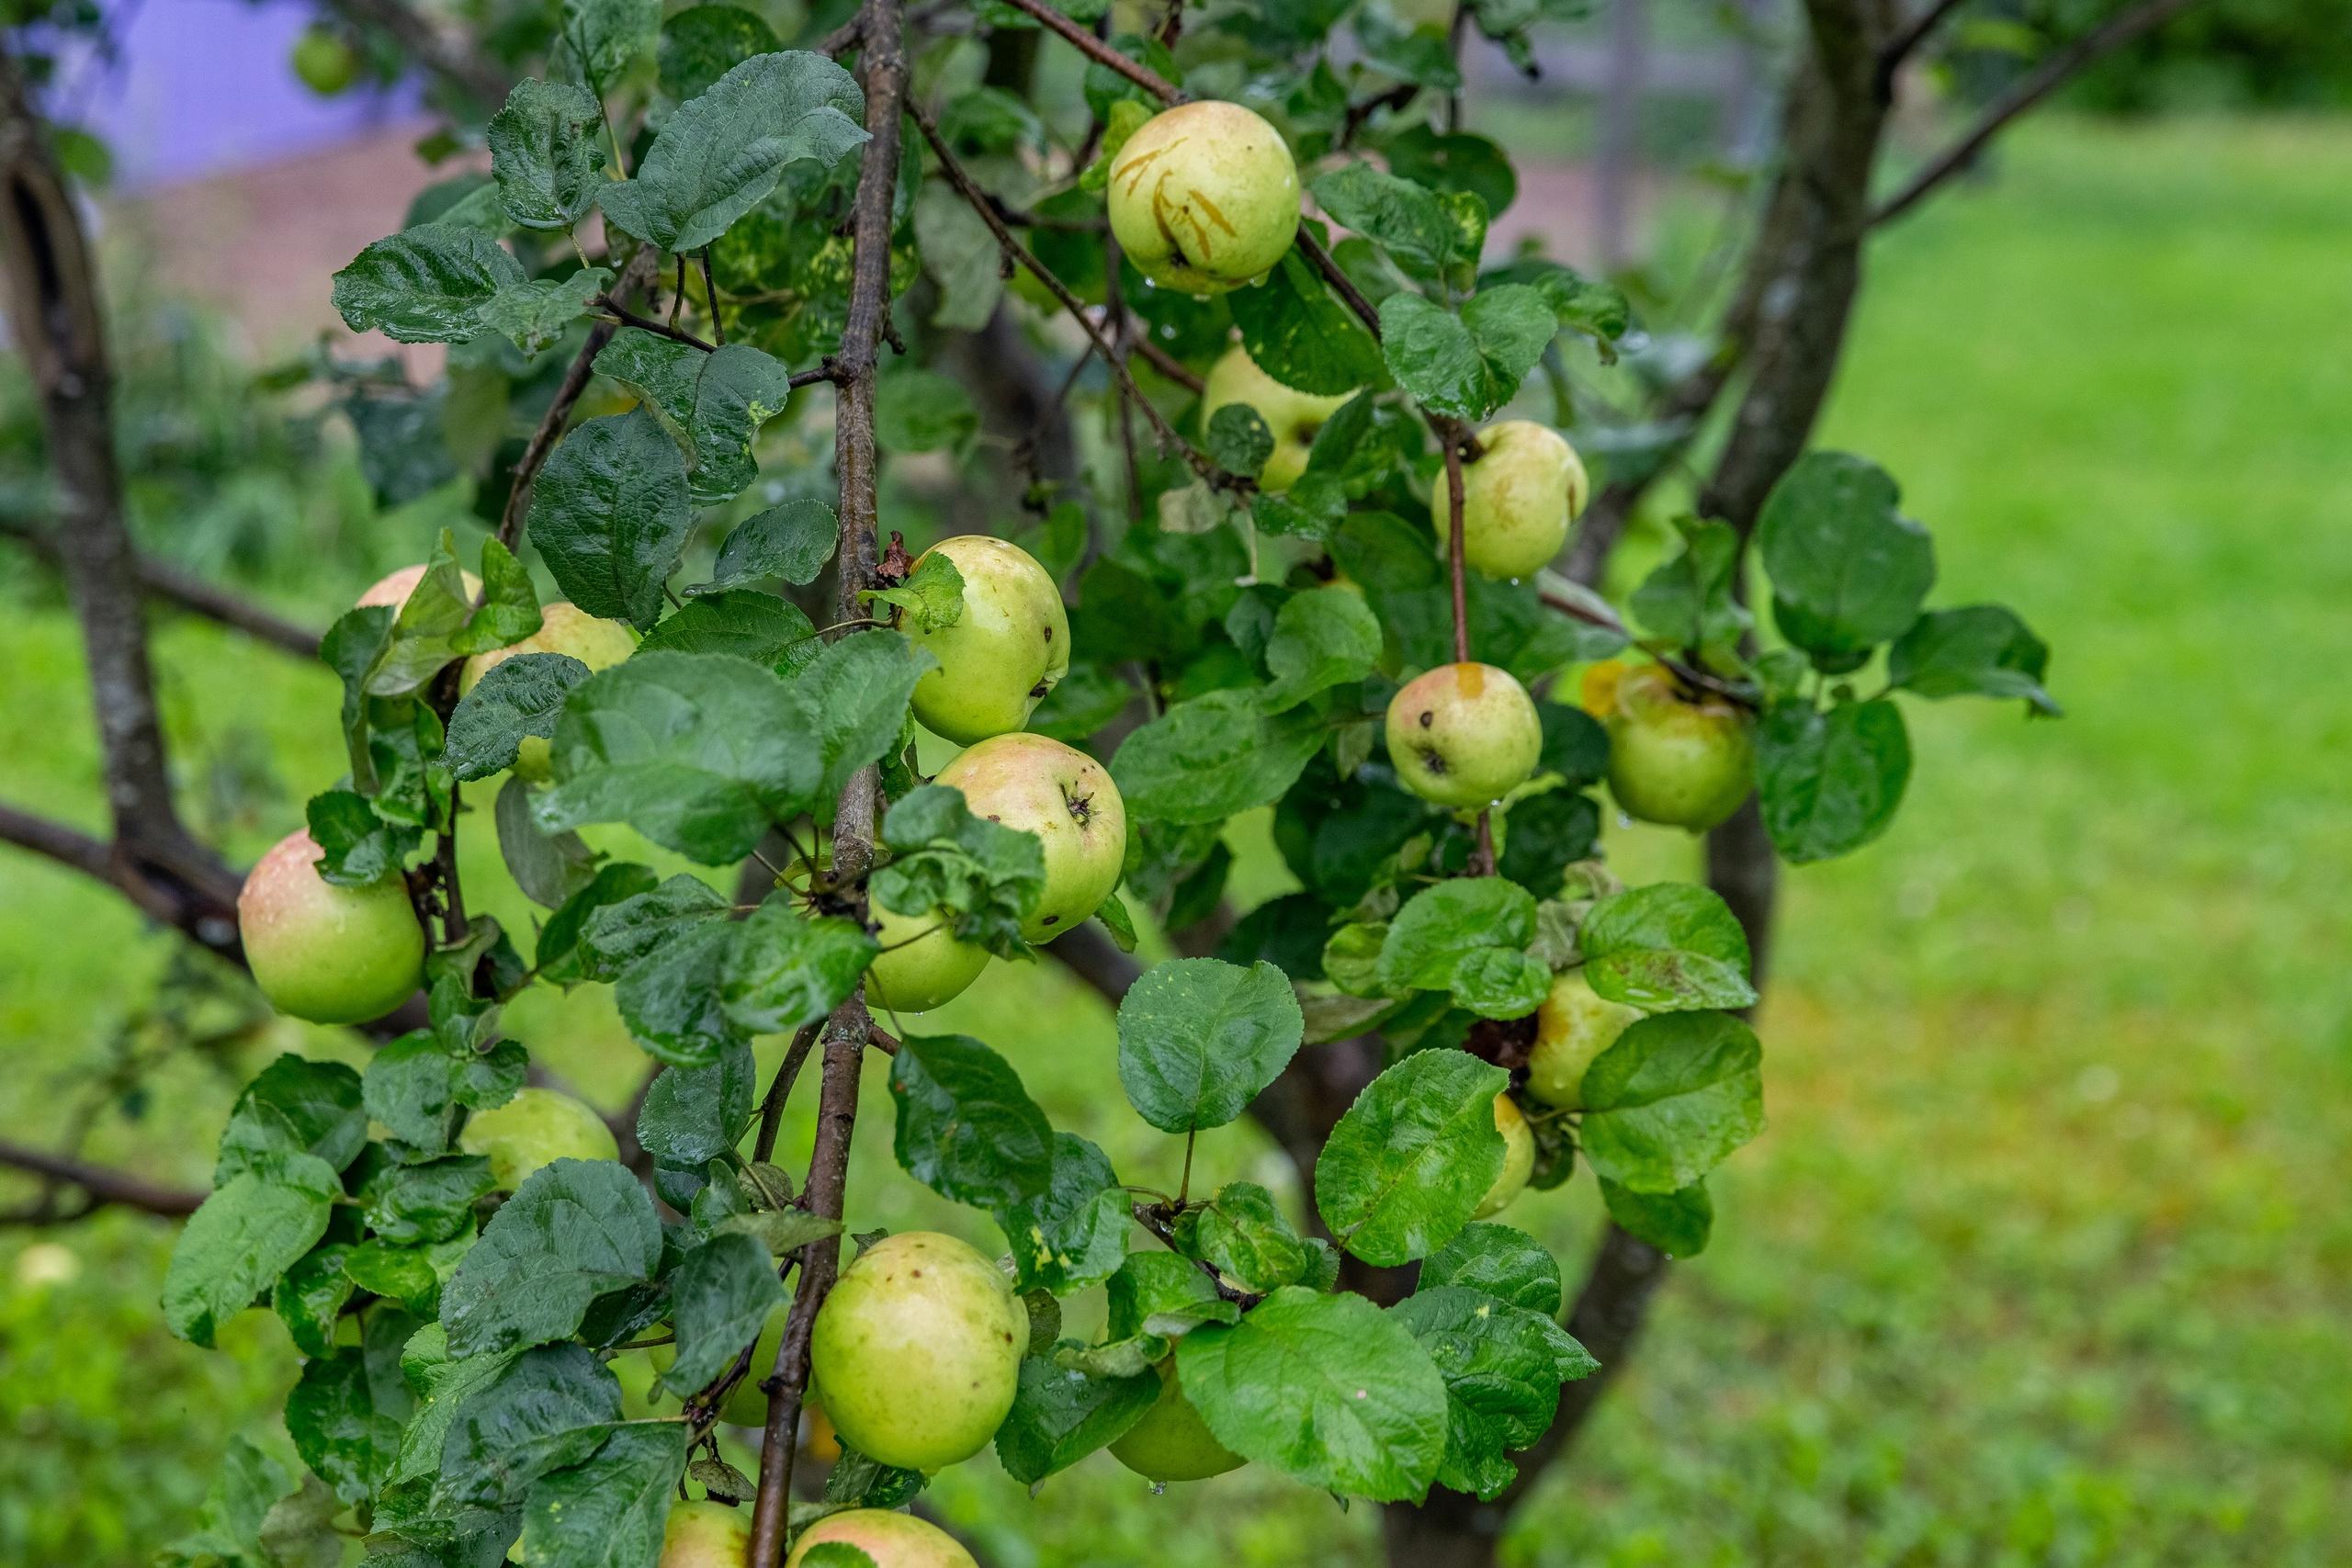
pixel 1677 757
pixel 922 965
pixel 1518 498
pixel 893 1540
pixel 1292 415
pixel 1172 1442
pixel 1205 197
pixel 706 1535
pixel 918 1350
pixel 1518 1158
pixel 1463 735
pixel 1065 798
pixel 327 953
pixel 537 1127
pixel 1008 650
pixel 324 61
pixel 394 588
pixel 1574 1024
pixel 564 627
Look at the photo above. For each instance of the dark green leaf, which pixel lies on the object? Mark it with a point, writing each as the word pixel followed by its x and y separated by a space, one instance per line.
pixel 294 1106
pixel 693 1115
pixel 701 44
pixel 712 402
pixel 1074 1233
pixel 608 1512
pixel 1412 1157
pixel 1502 1367
pixel 1830 782
pixel 745 622
pixel 516 697
pixel 1211 758
pixel 534 315
pixel 1238 441
pixel 1849 571
pixel 1059 1415
pixel 561 958
pixel 793 541
pixel 1321 638
pixel 983 876
pixel 309 1298
pixel 1198 1039
pixel 575 1230
pixel 1507 1264
pixel 1245 1237
pixel 720 1297
pixel 358 847
pixel 1981 651
pixel 1301 336
pixel 1676 1224
pixel 922 411
pixel 1449 937
pixel 671 1001
pixel 967 1128
pixel 1403 218
pixel 609 514
pixel 855 697
pixel 424 285
pixel 1470 364
pixel 605 37
pixel 1547 834
pixel 784 970
pixel 1667 946
pixel 1688 600
pixel 332 1418
pixel 251 1229
pixel 538 1412
pixel 548 867
pixel 430 1200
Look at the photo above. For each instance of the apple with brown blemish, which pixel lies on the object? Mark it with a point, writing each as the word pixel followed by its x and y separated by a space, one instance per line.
pixel 1067 800
pixel 1463 735
pixel 1205 197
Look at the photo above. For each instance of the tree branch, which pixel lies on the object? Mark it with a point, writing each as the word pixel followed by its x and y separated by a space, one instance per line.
pixel 1914 33
pixel 102 1185
pixel 635 275
pixel 170 584
pixel 883 69
pixel 2028 91
pixel 1101 53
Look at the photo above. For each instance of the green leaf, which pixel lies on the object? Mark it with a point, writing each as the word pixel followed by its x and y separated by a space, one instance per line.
pixel 1244 1236
pixel 309 1298
pixel 1849 571
pixel 1676 1224
pixel 1978 651
pixel 1238 441
pixel 1668 946
pixel 670 998
pixel 1199 1038
pixel 605 37
pixel 1688 600
pixel 745 622
pixel 1313 508
pixel 426 1201
pixel 698 753
pixel 359 847
pixel 1074 1232
pixel 245 1488
pixel 784 970
pixel 922 411
pixel 575 1230
pixel 561 957
pixel 424 285
pixel 967 1128
pixel 720 153
pixel 1545 834
pixel 961 255
pixel 250 1231
pixel 608 1512
pixel 712 402
pixel 1507 1264
pixel 1466 936
pixel 1830 782
pixel 793 541
pixel 1328 1390
pixel 1412 1157
pixel 1502 1367
pixel 443 1386
pixel 294 1106
pixel 609 514
pixel 984 876
pixel 930 600
pixel 522 1418
pixel 1406 220
pixel 1469 365
pixel 1670 1099
pixel 854 695
pixel 534 314
pixel 516 697
pixel 720 1297
pixel 1321 638
pixel 408 1089
pixel 1060 1415
pixel 693 1115
pixel 633 925
pixel 700 44
pixel 549 868
pixel 1212 758
pixel 1301 336
pixel 332 1418
pixel 546 149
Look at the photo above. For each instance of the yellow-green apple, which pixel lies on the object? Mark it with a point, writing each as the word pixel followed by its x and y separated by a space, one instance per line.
pixel 1574 1024
pixel 1204 197
pixel 327 953
pixel 394 587
pixel 566 628
pixel 1682 758
pixel 534 1128
pixel 706 1535
pixel 1172 1442
pixel 1518 498
pixel 918 1350
pixel 1008 650
pixel 893 1540
pixel 326 64
pixel 1291 415
pixel 1066 798
pixel 1463 735
pixel 1518 1158
pixel 922 965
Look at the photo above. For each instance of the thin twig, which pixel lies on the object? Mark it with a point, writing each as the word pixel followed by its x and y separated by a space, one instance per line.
pixel 780 1091
pixel 710 294
pixel 1167 364
pixel 623 316
pixel 2029 90
pixel 102 1185
pixel 1913 33
pixel 1101 53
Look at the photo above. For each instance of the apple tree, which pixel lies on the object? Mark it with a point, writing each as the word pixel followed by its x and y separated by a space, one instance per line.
pixel 1286 529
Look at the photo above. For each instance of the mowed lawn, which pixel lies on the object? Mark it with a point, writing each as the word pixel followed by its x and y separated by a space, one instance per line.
pixel 2045 1257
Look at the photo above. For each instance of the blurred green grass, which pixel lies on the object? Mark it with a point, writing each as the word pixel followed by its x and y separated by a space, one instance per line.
pixel 2044 1258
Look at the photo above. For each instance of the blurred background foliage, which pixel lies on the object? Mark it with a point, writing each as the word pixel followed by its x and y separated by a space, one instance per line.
pixel 2043 1258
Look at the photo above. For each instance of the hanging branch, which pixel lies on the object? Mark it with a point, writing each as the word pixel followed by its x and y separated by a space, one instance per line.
pixel 884 74
pixel 974 198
